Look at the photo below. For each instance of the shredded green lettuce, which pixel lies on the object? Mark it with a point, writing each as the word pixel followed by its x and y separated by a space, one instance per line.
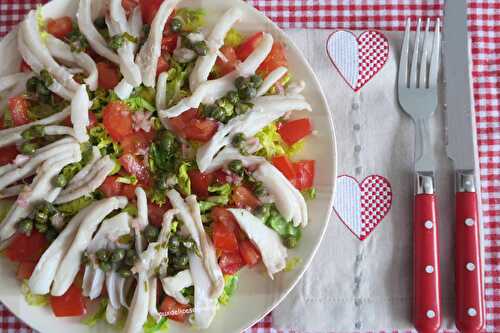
pixel 309 194
pixel 292 263
pixel 273 145
pixel 183 178
pixel 32 299
pixel 138 103
pixel 100 138
pixel 5 206
pixel 127 180
pixel 151 326
pixel 73 207
pixel 100 98
pixel 230 286
pixel 220 197
pixel 233 38
pixel 193 19
pixel 177 77
pixel 278 223
pixel 92 319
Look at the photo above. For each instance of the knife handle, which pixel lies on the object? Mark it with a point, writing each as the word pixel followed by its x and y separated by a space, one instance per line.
pixel 426 289
pixel 468 271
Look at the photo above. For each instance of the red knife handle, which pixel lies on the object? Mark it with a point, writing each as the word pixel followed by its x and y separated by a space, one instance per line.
pixel 468 272
pixel 426 289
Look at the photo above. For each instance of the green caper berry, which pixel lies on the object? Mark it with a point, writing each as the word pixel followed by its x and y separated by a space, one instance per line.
pixel 247 93
pixel 176 24
pixel 219 114
pixel 181 261
pixel 256 80
pixel 238 140
pixel 291 242
pixel 116 42
pixel 46 77
pixel 31 85
pixel 28 148
pixel 41 227
pixel 236 166
pixel 259 189
pixel 124 272
pixel 117 255
pixel 200 48
pixel 102 255
pixel 51 234
pixel 242 108
pixel 25 226
pixel 41 216
pixel 208 110
pixel 105 266
pixel 188 243
pixel 233 97
pixel 174 242
pixel 61 180
pixel 130 257
pixel 151 233
pixel 240 82
pixel 42 89
pixel 33 132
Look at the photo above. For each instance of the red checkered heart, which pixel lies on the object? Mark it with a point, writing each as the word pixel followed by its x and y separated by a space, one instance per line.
pixel 358 59
pixel 362 206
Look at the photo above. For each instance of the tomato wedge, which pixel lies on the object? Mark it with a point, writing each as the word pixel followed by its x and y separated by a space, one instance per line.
pixel 149 8
pixel 174 310
pixel 249 45
pixel 24 270
pixel 225 67
pixel 224 239
pixel 200 182
pixel 109 75
pixel 24 67
pixel 71 304
pixel 249 253
pixel 112 188
pixel 117 120
pixel 244 198
pixel 231 263
pixel 283 164
pixel 304 171
pixel 137 143
pixel 8 154
pixel 155 213
pixel 25 248
pixel 136 167
pixel 61 27
pixel 192 127
pixel 129 5
pixel 18 108
pixel 295 130
pixel 277 58
pixel 225 217
pixel 169 42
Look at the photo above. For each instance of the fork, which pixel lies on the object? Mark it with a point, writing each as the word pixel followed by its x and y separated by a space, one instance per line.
pixel 417 93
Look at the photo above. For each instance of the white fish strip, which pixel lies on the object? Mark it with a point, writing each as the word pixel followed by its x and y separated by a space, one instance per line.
pixel 60 50
pixel 76 180
pixel 96 41
pixel 46 268
pixel 80 105
pixel 228 154
pixel 37 191
pixel 11 191
pixel 161 91
pixel 123 89
pixel 207 249
pixel 9 81
pixel 271 79
pixel 59 130
pixel 204 64
pixel 139 307
pixel 184 213
pixel 142 218
pixel 173 285
pixel 71 263
pixel 272 250
pixel 113 284
pixel 209 91
pixel 147 58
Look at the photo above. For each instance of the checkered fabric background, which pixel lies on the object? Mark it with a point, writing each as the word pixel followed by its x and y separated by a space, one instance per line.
pixel 484 25
pixel 376 200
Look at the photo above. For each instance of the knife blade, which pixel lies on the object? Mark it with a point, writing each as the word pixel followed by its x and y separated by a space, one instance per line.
pixel 461 141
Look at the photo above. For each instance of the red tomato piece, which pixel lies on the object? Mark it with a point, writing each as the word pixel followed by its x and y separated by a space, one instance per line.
pixel 137 143
pixel 231 263
pixel 128 191
pixel 244 198
pixel 295 130
pixel 224 239
pixel 190 126
pixel 174 310
pixel 155 213
pixel 200 182
pixel 117 120
pixel 162 66
pixel 225 217
pixel 149 8
pixel 177 124
pixel 109 75
pixel 111 187
pixel 60 27
pixel 169 42
pixel 25 248
pixel 71 304
pixel 24 67
pixel 249 45
pixel 8 154
pixel 18 108
pixel 249 253
pixel 24 270
pixel 304 171
pixel 129 5
pixel 283 164
pixel 136 167
pixel 225 67
pixel 277 58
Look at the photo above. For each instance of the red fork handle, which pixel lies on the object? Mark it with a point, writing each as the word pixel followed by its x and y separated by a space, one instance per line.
pixel 468 271
pixel 426 289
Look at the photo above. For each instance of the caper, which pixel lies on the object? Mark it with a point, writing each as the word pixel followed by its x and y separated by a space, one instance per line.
pixel 242 108
pixel 31 85
pixel 256 80
pixel 247 93
pixel 291 242
pixel 41 227
pixel 46 77
pixel 116 42
pixel 33 132
pixel 188 243
pixel 236 166
pixel 174 242
pixel 28 148
pixel 238 140
pixel 51 234
pixel 102 255
pixel 208 110
pixel 61 180
pixel 181 261
pixel 151 233
pixel 124 272
pixel 130 257
pixel 176 24
pixel 42 89
pixel 259 188
pixel 200 48
pixel 41 216
pixel 233 97
pixel 105 266
pixel 117 255
pixel 219 113
pixel 240 82
pixel 25 226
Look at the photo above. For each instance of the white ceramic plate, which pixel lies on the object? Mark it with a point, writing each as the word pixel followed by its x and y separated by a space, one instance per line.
pixel 257 295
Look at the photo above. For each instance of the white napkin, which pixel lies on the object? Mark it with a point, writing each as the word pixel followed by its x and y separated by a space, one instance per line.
pixel 355 285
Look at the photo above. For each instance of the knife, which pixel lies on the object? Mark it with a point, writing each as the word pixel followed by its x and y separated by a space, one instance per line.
pixel 469 311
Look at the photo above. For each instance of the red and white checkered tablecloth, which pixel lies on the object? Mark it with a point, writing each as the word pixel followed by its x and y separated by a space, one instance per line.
pixel 484 25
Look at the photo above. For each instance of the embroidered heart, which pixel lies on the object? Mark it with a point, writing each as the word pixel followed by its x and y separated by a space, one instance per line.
pixel 358 59
pixel 361 207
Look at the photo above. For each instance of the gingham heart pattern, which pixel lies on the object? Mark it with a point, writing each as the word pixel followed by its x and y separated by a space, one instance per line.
pixel 373 53
pixel 376 201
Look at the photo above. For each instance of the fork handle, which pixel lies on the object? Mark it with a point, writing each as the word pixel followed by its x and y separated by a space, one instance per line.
pixel 426 288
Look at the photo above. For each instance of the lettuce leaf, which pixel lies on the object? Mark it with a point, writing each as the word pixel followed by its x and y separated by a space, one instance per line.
pixel 177 77
pixel 100 138
pixel 309 194
pixel 292 263
pixel 193 18
pixel 183 178
pixel 230 286
pixel 73 207
pixel 138 103
pixel 92 319
pixel 5 206
pixel 32 299
pixel 151 326
pixel 233 38
pixel 273 145
pixel 220 197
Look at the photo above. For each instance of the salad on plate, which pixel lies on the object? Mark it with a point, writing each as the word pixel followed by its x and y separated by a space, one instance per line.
pixel 146 157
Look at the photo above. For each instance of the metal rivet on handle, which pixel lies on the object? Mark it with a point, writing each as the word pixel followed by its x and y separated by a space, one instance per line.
pixel 428 224
pixel 471 312
pixel 470 266
pixel 430 314
pixel 469 222
pixel 429 269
